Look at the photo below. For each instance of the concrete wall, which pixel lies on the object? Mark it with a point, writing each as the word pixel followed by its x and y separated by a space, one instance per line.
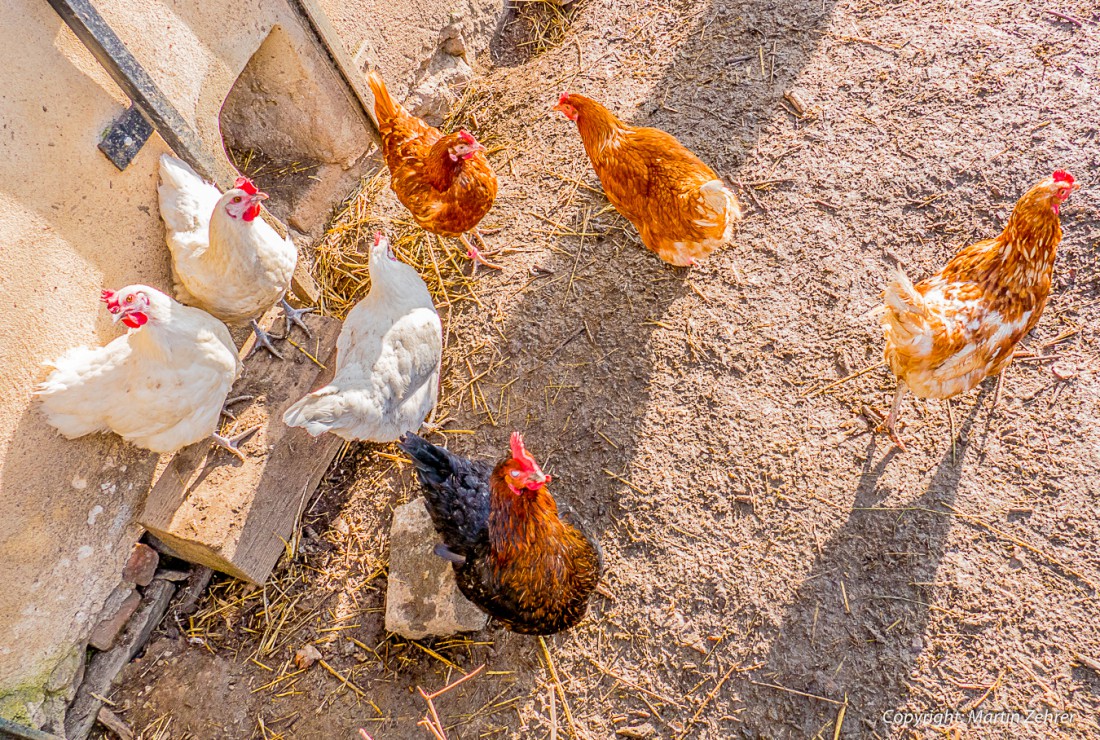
pixel 406 41
pixel 71 224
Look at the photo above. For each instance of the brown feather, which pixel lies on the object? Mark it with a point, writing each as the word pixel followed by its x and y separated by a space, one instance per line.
pixel 657 184
pixel 444 196
pixel 976 310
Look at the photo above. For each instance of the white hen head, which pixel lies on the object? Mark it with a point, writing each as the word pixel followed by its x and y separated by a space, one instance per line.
pixel 136 305
pixel 392 275
pixel 242 202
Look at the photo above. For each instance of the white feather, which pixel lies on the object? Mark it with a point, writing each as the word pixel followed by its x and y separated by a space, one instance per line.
pixel 160 387
pixel 387 364
pixel 234 269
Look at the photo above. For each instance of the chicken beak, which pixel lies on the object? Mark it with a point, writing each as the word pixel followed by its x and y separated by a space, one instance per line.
pixel 116 316
pixel 260 197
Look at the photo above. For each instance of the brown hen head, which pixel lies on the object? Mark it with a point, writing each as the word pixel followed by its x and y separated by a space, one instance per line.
pixel 593 120
pixel 523 514
pixel 520 472
pixel 1035 217
pixel 1046 196
pixel 448 155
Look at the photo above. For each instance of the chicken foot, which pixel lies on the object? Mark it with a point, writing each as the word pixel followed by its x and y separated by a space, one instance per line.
pixel 230 401
pixel 442 551
pixel 233 443
pixel 263 340
pixel 473 253
pixel 997 393
pixel 479 235
pixel 889 426
pixel 293 317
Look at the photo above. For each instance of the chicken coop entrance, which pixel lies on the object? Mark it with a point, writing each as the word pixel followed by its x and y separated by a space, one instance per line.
pixel 290 124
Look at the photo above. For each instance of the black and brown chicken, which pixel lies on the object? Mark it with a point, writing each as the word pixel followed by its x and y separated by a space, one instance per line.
pixel 517 554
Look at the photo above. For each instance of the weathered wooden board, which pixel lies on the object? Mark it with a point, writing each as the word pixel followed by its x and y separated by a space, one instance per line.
pixel 235 517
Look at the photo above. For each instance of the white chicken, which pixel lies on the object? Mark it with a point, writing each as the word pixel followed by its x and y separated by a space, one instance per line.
pixel 161 386
pixel 225 260
pixel 387 361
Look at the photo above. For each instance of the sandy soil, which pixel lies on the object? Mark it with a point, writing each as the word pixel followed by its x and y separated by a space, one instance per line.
pixel 774 568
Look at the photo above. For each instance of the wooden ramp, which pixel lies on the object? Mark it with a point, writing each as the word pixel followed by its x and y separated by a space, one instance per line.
pixel 208 507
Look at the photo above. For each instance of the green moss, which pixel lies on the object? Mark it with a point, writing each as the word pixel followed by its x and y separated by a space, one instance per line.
pixel 16 705
pixel 44 695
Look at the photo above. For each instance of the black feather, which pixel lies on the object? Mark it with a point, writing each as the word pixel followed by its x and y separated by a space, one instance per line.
pixel 456 491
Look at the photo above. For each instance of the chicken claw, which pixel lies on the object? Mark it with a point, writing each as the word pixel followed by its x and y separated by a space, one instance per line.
pixel 474 254
pixel 890 425
pixel 233 443
pixel 294 316
pixel 230 401
pixel 263 339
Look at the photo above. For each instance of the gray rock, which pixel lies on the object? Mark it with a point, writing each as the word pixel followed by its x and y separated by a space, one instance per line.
pixel 452 41
pixel 439 88
pixel 422 598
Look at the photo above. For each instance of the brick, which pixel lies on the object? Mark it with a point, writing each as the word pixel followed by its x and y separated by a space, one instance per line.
pixel 120 606
pixel 142 565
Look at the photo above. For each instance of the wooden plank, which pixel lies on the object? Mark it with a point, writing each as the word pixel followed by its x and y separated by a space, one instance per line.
pixel 235 517
pixel 304 287
pixel 345 65
pixel 104 667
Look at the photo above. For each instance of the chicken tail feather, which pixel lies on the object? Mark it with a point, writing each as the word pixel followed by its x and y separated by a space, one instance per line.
pixel 903 299
pixel 433 464
pixel 316 413
pixel 385 109
pixel 721 200
pixel 456 492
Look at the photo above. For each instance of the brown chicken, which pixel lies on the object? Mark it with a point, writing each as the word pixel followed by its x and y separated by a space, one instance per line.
pixel 444 181
pixel 680 207
pixel 517 554
pixel 949 332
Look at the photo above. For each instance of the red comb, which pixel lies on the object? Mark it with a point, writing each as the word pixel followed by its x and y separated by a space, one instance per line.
pixel 108 297
pixel 377 238
pixel 245 184
pixel 467 136
pixel 564 98
pixel 1063 176
pixel 519 452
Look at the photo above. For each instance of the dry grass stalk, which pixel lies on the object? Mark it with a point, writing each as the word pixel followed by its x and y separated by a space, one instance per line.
pixel 561 691
pixel 431 721
pixel 545 23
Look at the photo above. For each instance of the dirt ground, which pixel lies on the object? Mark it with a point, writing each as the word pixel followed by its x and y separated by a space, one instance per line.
pixel 775 569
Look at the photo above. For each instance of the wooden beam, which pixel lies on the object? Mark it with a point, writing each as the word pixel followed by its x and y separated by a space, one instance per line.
pixel 108 49
pixel 304 287
pixel 232 516
pixel 104 667
pixel 331 41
